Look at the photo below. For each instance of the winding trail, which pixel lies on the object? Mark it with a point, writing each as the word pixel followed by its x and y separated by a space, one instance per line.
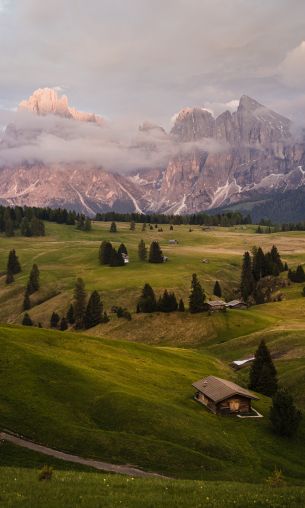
pixel 96 464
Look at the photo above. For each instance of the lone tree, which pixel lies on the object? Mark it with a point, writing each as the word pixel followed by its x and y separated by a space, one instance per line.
pixel 27 320
pixel 247 280
pixel 79 303
pixel 147 301
pixel 13 264
pixel 9 278
pixel 94 310
pixel 132 226
pixel 284 416
pixel 70 315
pixel 26 301
pixel 142 251
pixel 33 284
pixel 54 320
pixel 197 296
pixel 105 252
pixel 217 290
pixel 155 253
pixel 263 378
pixel 113 228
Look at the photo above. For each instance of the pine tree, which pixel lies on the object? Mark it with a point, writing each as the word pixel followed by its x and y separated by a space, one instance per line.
pixel 217 290
pixel 26 301
pixel 263 376
pixel 70 315
pixel 79 303
pixel 13 264
pixel 144 226
pixel 167 302
pixel 285 267
pixel 8 226
pixel 37 227
pixel 122 249
pixel 116 259
pixel 33 283
pixel 87 225
pixel 105 253
pixel 284 416
pixel 181 306
pixel 63 324
pixel 142 251
pixel 54 320
pixel 9 278
pixel 155 253
pixel 26 321
pixel 132 226
pixel 113 228
pixel 247 280
pixel 258 265
pixel 94 310
pixel 276 258
pixel 25 227
pixel 197 296
pixel 147 301
pixel 300 275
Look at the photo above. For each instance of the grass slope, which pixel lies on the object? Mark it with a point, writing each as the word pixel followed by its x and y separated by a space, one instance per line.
pixel 130 403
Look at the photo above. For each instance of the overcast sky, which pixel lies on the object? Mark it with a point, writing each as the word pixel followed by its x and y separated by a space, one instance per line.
pixel 147 59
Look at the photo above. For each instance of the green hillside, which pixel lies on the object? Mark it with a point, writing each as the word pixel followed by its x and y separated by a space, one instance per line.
pixel 130 403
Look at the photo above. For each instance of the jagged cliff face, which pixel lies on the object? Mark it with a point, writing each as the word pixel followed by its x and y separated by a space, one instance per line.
pixel 211 162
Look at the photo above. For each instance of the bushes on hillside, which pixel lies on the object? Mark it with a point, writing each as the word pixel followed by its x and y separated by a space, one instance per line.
pixel 297 275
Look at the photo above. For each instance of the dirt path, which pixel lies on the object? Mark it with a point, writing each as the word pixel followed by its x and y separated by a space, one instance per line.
pixel 96 464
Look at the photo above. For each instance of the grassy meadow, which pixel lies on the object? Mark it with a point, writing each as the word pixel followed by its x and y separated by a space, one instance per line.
pixel 121 391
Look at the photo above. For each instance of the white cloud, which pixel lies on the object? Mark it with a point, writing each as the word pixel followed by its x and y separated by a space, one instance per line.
pixel 292 68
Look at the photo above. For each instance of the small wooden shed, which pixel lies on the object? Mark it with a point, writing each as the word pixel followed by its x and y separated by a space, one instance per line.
pixel 222 396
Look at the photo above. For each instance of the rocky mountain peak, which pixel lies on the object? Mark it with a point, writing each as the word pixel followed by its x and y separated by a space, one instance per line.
pixel 46 101
pixel 192 124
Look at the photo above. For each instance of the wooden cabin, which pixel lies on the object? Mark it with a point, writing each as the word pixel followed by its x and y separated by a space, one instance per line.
pixel 236 304
pixel 215 305
pixel 223 397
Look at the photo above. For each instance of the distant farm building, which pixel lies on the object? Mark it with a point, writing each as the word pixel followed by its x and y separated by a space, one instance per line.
pixel 125 257
pixel 173 242
pixel 236 304
pixel 215 305
pixel 204 260
pixel 165 258
pixel 223 397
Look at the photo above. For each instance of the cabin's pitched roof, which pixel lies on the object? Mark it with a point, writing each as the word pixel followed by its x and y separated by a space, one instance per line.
pixel 218 389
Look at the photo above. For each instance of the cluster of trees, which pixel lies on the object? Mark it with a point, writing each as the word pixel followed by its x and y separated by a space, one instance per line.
pixel 22 219
pixel 86 314
pixel 108 255
pixel 167 302
pixel 256 267
pixel 220 219
pixel 83 223
pixel 284 415
pixel 297 275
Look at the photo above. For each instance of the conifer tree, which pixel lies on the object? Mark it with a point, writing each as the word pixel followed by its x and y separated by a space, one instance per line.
pixel 263 377
pixel 79 304
pixel 147 301
pixel 276 258
pixel 258 265
pixel 9 226
pixel 181 306
pixel 132 226
pixel 26 301
pixel 25 227
pixel 54 320
pixel 70 315
pixel 285 267
pixel 63 324
pixel 36 227
pixel 247 280
pixel 144 226
pixel 9 278
pixel 113 228
pixel 197 296
pixel 122 249
pixel 105 253
pixel 33 283
pixel 300 275
pixel 167 302
pixel 87 225
pixel 94 310
pixel 217 290
pixel 142 251
pixel 27 321
pixel 116 259
pixel 13 264
pixel 155 253
pixel 284 416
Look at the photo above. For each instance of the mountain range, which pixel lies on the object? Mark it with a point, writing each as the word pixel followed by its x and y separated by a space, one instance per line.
pixel 203 163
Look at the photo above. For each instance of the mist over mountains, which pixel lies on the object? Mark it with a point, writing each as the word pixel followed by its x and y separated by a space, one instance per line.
pixel 51 154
